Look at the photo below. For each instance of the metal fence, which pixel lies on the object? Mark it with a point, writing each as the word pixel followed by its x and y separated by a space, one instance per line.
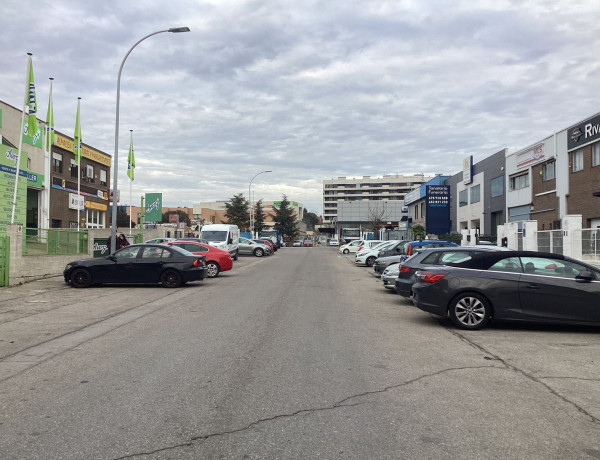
pixel 54 241
pixel 550 241
pixel 590 244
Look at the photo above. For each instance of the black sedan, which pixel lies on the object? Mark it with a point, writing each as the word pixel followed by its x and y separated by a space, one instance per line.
pixel 433 256
pixel 138 264
pixel 511 285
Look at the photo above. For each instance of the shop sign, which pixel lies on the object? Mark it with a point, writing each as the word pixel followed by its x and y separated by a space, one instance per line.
pixel 584 133
pixel 76 201
pixel 153 207
pixel 532 156
pixel 468 170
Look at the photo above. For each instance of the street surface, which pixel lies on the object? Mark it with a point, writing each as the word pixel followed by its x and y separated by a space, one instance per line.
pixel 300 355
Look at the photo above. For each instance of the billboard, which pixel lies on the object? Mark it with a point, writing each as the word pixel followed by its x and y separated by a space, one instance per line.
pixel 153 207
pixel 437 212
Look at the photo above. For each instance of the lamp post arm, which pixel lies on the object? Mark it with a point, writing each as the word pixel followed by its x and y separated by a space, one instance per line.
pixel 113 232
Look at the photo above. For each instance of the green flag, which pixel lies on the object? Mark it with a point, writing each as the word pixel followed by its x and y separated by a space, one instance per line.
pixel 77 136
pixel 130 159
pixel 30 102
pixel 50 121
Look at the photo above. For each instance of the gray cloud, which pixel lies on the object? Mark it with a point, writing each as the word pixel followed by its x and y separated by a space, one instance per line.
pixel 312 90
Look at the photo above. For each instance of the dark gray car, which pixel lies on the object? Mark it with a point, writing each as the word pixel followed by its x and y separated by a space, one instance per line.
pixel 431 257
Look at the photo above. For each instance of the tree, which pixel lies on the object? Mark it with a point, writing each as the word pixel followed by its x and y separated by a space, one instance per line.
pixel 378 216
pixel 310 219
pixel 237 212
pixel 123 218
pixel 183 217
pixel 259 217
pixel 285 219
pixel 418 232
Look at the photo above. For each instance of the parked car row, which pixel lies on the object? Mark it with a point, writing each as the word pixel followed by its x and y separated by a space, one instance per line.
pixel 169 261
pixel 475 285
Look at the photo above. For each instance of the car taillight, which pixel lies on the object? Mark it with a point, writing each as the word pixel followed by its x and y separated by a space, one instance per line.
pixel 430 278
pixel 360 248
pixel 409 252
pixel 404 269
pixel 199 263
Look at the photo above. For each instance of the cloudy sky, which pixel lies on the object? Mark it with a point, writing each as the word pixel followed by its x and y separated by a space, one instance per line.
pixel 311 90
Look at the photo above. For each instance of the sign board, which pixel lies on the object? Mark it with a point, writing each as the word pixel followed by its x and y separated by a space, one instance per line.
pixel 584 133
pixel 153 207
pixel 101 247
pixel 437 209
pixel 8 163
pixel 76 201
pixel 468 170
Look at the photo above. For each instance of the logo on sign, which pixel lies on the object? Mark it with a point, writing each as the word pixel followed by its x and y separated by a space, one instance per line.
pixel 576 134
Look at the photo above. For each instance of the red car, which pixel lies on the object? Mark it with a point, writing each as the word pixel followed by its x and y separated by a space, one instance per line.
pixel 268 243
pixel 217 260
pixel 308 243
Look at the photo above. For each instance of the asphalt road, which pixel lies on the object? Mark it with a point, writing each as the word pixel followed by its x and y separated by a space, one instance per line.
pixel 300 355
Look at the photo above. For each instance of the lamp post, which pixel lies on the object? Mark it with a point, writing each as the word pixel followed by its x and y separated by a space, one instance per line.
pixel 250 198
pixel 113 232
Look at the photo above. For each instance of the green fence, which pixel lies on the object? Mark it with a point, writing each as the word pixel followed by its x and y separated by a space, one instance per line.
pixel 4 259
pixel 54 241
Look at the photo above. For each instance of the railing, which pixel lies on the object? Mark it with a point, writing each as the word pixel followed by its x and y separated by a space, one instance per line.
pixel 590 244
pixel 550 241
pixel 54 241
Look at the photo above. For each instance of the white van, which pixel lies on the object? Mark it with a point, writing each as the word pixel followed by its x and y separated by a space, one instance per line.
pixel 222 236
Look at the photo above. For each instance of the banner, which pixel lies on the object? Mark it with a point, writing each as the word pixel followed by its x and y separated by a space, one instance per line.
pixel 153 207
pixel 8 163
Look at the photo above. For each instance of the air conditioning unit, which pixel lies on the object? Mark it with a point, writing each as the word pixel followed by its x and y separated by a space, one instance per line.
pixel 88 172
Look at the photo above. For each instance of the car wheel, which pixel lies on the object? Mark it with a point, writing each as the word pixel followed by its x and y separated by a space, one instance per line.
pixel 171 279
pixel 370 261
pixel 212 269
pixel 258 252
pixel 470 311
pixel 346 251
pixel 81 278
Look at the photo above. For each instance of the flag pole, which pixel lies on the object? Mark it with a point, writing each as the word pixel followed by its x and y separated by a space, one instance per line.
pixel 78 163
pixel 17 166
pixel 130 177
pixel 48 158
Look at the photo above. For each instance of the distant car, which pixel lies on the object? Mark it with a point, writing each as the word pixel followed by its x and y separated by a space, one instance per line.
pixel 350 247
pixel 269 243
pixel 405 249
pixel 334 242
pixel 138 264
pixel 307 243
pixel 297 243
pixel 367 256
pixel 268 240
pixel 389 275
pixel 368 244
pixel 159 240
pixel 510 285
pixel 431 257
pixel 217 260
pixel 250 247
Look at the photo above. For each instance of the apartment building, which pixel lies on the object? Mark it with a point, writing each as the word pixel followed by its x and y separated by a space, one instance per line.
pixel 389 188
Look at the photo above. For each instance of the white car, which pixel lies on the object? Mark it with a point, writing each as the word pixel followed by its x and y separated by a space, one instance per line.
pixel 334 242
pixel 368 256
pixel 351 247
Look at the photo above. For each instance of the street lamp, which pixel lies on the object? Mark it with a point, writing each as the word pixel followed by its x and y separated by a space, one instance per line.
pixel 113 232
pixel 250 198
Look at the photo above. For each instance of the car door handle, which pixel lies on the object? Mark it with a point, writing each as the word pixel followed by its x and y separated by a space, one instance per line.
pixel 533 286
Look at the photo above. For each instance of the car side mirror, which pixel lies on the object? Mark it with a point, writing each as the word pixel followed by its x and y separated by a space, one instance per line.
pixel 230 241
pixel 584 277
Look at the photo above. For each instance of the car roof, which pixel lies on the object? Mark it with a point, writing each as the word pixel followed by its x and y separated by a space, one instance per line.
pixel 484 259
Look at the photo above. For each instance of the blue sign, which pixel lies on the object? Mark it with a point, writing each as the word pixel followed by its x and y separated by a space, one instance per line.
pixel 437 213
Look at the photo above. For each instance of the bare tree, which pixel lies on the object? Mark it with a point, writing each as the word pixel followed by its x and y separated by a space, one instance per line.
pixel 378 216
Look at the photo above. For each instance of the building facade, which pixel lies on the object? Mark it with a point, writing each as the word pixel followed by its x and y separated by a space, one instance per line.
pixel 389 188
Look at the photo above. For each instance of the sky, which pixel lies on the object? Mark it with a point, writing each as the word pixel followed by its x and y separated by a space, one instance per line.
pixel 311 90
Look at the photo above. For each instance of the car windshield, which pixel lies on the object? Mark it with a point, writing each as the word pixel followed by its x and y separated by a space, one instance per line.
pixel 214 235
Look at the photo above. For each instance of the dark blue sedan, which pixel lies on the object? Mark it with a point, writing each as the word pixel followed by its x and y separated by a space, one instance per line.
pixel 138 264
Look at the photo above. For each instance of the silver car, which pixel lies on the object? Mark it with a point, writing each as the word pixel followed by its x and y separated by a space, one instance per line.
pixel 253 248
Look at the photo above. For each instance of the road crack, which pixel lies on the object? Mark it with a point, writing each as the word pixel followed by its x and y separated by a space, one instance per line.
pixel 529 376
pixel 343 403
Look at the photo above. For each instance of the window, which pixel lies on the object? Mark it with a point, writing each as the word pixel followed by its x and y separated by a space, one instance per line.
pixel 475 194
pixel 578 160
pixel 497 185
pixel 596 154
pixel 74 168
pixel 519 182
pixel 463 198
pixel 57 163
pixel 548 170
pixel 103 177
pixel 510 264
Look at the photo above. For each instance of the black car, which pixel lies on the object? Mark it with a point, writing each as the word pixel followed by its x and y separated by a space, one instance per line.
pixel 138 263
pixel 403 250
pixel 511 285
pixel 433 256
